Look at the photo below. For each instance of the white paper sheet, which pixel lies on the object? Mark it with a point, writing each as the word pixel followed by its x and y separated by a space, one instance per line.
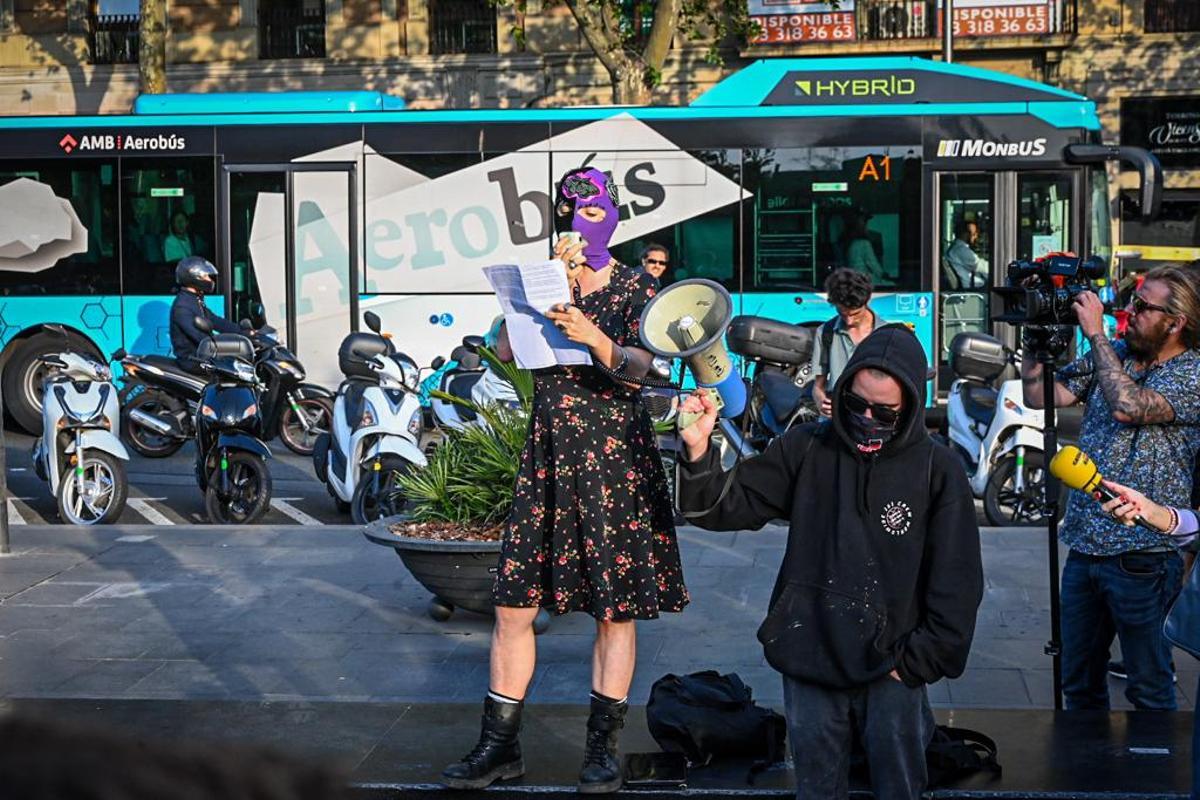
pixel 526 292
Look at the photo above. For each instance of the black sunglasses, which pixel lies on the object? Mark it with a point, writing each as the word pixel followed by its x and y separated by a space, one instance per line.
pixel 656 261
pixel 1139 306
pixel 879 412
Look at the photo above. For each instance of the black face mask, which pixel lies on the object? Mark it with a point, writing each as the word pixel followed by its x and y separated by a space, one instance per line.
pixel 869 434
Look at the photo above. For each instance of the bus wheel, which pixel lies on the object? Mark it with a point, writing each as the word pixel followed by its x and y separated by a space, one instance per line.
pixel 23 376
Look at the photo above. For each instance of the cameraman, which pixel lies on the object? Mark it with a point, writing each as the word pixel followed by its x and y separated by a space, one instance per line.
pixel 1141 425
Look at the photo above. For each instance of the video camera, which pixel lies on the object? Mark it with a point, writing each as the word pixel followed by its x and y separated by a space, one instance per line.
pixel 1042 291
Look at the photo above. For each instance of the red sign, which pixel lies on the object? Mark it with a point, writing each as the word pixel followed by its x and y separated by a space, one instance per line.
pixel 836 26
pixel 1022 20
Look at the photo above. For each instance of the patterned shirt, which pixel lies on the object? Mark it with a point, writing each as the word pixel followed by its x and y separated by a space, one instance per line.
pixel 1157 460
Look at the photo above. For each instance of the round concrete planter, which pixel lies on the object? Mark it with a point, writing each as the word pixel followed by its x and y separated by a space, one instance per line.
pixel 457 574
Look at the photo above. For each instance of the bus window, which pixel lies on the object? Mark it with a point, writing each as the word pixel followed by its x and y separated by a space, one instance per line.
pixel 820 208
pixel 255 197
pixel 1100 220
pixel 58 228
pixel 1043 214
pixel 167 215
pixel 965 237
pixel 703 246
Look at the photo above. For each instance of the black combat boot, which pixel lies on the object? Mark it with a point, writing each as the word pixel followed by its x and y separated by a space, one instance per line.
pixel 601 773
pixel 497 756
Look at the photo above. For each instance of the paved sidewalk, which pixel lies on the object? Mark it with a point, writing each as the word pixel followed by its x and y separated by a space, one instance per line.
pixel 293 614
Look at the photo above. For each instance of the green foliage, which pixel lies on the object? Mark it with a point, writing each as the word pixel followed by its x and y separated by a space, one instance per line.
pixel 470 477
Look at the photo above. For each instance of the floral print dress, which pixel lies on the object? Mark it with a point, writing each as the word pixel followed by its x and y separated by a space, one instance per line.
pixel 591 527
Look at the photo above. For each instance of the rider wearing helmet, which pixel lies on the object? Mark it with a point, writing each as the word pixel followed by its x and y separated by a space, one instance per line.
pixel 196 276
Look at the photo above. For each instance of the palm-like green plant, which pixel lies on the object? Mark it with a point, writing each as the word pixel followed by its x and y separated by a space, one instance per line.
pixel 470 476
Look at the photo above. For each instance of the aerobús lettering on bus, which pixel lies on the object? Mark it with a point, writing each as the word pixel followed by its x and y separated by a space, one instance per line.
pixel 473 230
pixel 127 142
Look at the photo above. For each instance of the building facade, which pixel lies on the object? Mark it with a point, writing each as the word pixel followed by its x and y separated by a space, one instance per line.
pixel 1135 58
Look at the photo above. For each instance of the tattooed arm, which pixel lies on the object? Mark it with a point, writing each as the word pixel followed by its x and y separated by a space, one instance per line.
pixel 1131 404
pixel 1033 390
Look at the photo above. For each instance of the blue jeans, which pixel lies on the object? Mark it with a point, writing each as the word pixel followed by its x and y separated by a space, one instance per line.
pixel 893 722
pixel 1126 596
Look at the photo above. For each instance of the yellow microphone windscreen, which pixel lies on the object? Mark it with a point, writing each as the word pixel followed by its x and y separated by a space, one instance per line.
pixel 1073 467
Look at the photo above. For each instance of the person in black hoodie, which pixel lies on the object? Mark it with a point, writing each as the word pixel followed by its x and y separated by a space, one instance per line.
pixel 882 578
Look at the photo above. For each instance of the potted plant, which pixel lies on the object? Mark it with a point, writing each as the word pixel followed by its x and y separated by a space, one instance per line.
pixel 449 535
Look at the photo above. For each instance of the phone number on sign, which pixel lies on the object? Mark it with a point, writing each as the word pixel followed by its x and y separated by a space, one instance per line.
pixel 806 27
pixel 1001 21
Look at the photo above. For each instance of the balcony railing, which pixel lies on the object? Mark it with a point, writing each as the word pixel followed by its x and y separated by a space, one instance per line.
pixel 113 38
pixel 1172 16
pixel 291 32
pixel 877 20
pixel 884 20
pixel 462 26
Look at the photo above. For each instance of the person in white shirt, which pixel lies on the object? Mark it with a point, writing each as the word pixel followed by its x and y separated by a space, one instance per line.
pixel 969 270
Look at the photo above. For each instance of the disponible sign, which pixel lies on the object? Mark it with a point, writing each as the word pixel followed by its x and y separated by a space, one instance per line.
pixel 1169 127
pixel 1002 17
pixel 788 21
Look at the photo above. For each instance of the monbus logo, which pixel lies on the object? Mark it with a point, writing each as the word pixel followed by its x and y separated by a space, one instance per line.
pixel 891 86
pixel 982 148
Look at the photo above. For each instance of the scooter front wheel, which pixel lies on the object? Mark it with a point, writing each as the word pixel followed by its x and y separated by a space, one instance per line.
pixel 1005 506
pixel 93 492
pixel 249 494
pixel 376 499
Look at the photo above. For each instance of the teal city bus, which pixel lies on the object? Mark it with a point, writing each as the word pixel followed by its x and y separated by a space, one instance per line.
pixel 321 205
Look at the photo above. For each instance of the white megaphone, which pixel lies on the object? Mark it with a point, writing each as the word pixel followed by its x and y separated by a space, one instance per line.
pixel 688 320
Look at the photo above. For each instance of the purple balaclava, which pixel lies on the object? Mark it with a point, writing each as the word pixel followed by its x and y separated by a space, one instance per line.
pixel 588 187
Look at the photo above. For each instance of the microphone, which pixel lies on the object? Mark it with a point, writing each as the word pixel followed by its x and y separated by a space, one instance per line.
pixel 1076 469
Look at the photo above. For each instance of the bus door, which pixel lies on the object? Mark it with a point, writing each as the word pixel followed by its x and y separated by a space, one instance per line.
pixel 291 244
pixel 985 220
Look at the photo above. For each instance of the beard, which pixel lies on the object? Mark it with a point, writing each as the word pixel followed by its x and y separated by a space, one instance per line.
pixel 1146 342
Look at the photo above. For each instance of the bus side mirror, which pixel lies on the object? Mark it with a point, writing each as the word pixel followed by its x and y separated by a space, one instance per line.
pixel 1149 170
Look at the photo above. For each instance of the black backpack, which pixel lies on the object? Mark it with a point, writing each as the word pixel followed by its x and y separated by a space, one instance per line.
pixel 827 338
pixel 707 716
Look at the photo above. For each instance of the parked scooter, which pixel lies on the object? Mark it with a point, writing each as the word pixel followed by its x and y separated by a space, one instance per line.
pixel 376 431
pixel 231 458
pixel 160 400
pixel 78 454
pixel 779 362
pixel 998 437
pixel 471 381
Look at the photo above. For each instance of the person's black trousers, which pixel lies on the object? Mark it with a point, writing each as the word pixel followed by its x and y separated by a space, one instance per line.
pixel 893 723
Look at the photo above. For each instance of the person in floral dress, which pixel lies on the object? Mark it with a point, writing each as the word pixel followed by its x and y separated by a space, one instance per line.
pixel 591 527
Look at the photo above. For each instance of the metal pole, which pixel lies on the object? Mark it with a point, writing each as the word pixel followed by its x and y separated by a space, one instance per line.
pixel 1049 448
pixel 4 545
pixel 948 31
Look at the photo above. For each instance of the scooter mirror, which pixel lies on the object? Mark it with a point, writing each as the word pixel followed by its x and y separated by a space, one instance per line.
pixel 473 343
pixel 373 321
pixel 258 316
pixel 437 363
pixel 202 324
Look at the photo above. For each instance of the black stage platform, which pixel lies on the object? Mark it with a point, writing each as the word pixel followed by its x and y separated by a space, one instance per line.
pixel 396 750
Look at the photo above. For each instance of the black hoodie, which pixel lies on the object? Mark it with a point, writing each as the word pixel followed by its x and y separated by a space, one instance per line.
pixel 882 569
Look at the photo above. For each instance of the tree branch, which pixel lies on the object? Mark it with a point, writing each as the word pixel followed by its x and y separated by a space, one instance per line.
pixel 662 30
pixel 591 25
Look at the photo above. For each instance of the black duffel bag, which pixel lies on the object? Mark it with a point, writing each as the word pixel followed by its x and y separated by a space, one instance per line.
pixel 709 716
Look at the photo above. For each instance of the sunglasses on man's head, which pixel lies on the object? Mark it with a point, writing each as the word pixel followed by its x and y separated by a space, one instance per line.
pixel 879 412
pixel 656 261
pixel 1139 306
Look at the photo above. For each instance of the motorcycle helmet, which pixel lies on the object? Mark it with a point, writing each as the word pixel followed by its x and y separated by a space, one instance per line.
pixel 196 272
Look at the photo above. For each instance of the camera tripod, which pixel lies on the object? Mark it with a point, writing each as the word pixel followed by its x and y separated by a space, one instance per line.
pixel 1048 343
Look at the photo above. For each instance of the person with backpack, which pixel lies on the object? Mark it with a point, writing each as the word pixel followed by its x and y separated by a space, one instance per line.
pixel 849 292
pixel 882 576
